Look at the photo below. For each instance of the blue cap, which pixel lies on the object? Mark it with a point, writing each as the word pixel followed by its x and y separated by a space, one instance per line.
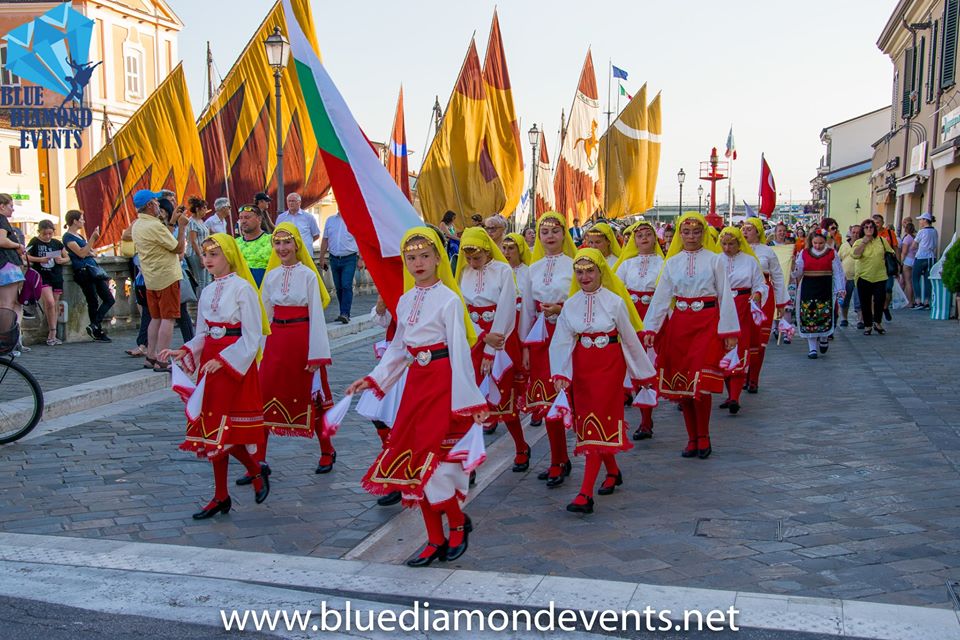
pixel 144 196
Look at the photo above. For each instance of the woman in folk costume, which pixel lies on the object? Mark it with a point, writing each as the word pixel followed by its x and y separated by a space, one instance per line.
pixel 784 247
pixel 596 347
pixel 486 281
pixel 440 399
pixel 821 282
pixel 544 293
pixel 293 372
pixel 518 254
pixel 776 301
pixel 746 282
pixel 638 268
pixel 230 325
pixel 601 237
pixel 702 327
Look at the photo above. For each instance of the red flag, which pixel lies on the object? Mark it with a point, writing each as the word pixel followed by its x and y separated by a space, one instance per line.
pixel 397 152
pixel 768 189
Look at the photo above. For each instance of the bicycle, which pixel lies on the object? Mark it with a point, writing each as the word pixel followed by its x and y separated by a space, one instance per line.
pixel 21 398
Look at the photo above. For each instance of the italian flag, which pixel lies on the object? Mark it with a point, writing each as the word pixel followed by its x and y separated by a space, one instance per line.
pixel 374 209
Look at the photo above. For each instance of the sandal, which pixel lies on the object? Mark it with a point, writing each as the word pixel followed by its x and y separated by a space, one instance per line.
pixel 868 332
pixel 879 329
pixel 150 363
pixel 135 353
pixel 161 367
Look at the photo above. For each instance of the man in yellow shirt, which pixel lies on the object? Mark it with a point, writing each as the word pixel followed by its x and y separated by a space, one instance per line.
pixel 160 264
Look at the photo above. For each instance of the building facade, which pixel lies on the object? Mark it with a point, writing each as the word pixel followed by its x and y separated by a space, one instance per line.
pixel 916 166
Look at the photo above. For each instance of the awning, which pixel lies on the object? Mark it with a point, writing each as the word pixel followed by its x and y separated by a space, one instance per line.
pixel 944 158
pixel 21 215
pixel 906 186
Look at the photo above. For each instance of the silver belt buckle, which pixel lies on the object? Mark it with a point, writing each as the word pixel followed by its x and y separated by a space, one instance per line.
pixel 682 305
pixel 697 305
pixel 601 341
pixel 634 298
pixel 218 332
pixel 586 342
pixel 424 357
pixel 488 316
pixel 474 316
pixel 519 306
pixel 645 298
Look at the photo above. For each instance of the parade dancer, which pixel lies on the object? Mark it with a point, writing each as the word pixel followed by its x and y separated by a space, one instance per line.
pixel 439 399
pixel 601 237
pixel 746 282
pixel 821 281
pixel 638 268
pixel 293 372
pixel 230 325
pixel 518 254
pixel 776 301
pixel 551 273
pixel 490 291
pixel 595 347
pixel 703 326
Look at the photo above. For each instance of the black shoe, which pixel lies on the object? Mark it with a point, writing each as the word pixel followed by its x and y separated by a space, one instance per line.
pixel 490 429
pixel 245 480
pixel 606 489
pixel 326 468
pixel 212 509
pixel 887 316
pixel 824 346
pixel 844 323
pixel 878 328
pixel 690 451
pixel 439 553
pixel 812 355
pixel 473 478
pixel 455 552
pixel 642 434
pixel 573 507
pixel 390 499
pixel 753 388
pixel 100 336
pixel 520 467
pixel 90 331
pixel 556 481
pixel 265 491
pixel 860 325
pixel 725 404
pixel 734 407
pixel 536 423
pixel 703 454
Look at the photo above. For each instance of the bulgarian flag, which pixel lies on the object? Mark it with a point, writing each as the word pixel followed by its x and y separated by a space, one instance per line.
pixel 374 209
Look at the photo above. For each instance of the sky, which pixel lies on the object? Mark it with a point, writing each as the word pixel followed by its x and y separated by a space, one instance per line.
pixel 778 71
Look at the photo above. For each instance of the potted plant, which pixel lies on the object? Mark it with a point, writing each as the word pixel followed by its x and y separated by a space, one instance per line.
pixel 951 272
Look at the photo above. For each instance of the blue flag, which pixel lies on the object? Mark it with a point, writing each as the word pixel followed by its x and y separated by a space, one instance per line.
pixel 619 73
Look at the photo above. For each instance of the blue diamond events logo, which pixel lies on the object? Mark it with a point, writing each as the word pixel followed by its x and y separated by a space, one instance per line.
pixel 53 52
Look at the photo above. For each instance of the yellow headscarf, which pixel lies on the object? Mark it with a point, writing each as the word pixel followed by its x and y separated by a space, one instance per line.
pixel 630 246
pixel 521 243
pixel 302 255
pixel 239 266
pixel 758 224
pixel 609 281
pixel 608 233
pixel 569 247
pixel 444 272
pixel 676 245
pixel 478 238
pixel 738 234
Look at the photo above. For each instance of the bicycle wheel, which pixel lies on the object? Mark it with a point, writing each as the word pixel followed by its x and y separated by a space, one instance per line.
pixel 21 401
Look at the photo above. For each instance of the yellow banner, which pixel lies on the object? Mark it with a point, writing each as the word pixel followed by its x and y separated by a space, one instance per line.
pixel 624 147
pixel 655 126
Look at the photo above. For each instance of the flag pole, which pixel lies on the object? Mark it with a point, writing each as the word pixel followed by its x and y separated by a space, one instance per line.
pixel 733 157
pixel 606 173
pixel 760 188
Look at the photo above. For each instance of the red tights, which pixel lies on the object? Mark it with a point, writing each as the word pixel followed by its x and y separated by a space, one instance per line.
pixel 696 417
pixel 221 463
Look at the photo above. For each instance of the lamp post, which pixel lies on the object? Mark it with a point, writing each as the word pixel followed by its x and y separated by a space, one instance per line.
pixel 534 137
pixel 278 52
pixel 700 199
pixel 681 176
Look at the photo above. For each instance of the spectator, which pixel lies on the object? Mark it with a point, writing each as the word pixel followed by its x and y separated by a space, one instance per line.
pixel 49 255
pixel 871 275
pixel 890 236
pixel 908 254
pixel 262 201
pixel 160 264
pixel 668 232
pixel 89 276
pixel 451 239
pixel 530 235
pixel 850 273
pixel 927 242
pixel 304 221
pixel 219 221
pixel 197 232
pixel 11 252
pixel 476 220
pixel 254 243
pixel 343 261
pixel 496 227
pixel 576 232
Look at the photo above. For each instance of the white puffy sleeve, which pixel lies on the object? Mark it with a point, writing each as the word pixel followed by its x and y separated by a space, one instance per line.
pixel 238 357
pixel 798 266
pixel 561 347
pixel 757 283
pixel 839 278
pixel 465 397
pixel 391 366
pixel 195 346
pixel 729 325
pixel 780 293
pixel 638 364
pixel 660 303
pixel 318 352
pixel 505 317
pixel 381 320
pixel 528 307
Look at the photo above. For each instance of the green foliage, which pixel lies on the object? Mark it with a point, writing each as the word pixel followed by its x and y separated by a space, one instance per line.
pixel 951 269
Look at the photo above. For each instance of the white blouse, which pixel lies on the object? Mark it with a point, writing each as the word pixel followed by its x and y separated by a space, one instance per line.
pixel 492 284
pixel 599 312
pixel 521 274
pixel 612 260
pixel 297 286
pixel 549 282
pixel 693 274
pixel 743 272
pixel 229 300
pixel 641 272
pixel 770 265
pixel 431 316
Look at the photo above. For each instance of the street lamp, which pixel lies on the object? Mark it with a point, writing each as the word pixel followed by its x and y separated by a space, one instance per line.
pixel 700 199
pixel 278 52
pixel 534 137
pixel 857 208
pixel 681 175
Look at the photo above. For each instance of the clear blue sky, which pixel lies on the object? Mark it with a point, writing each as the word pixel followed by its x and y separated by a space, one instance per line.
pixel 778 71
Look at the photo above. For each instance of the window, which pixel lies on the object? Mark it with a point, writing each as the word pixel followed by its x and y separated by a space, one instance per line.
pixel 5 76
pixel 931 66
pixel 948 57
pixel 133 72
pixel 909 82
pixel 15 160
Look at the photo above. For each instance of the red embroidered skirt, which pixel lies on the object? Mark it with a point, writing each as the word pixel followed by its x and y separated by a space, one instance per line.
pixel 424 431
pixel 506 407
pixel 232 410
pixel 540 390
pixel 288 405
pixel 744 342
pixel 689 363
pixel 760 336
pixel 598 375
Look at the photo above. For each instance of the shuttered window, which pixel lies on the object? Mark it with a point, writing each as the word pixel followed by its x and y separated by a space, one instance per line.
pixel 931 63
pixel 948 57
pixel 909 78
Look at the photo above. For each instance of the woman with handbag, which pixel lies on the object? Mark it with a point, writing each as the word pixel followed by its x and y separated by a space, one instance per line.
pixel 89 276
pixel 876 261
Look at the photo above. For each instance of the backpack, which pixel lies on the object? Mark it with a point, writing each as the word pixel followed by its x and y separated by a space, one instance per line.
pixel 32 284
